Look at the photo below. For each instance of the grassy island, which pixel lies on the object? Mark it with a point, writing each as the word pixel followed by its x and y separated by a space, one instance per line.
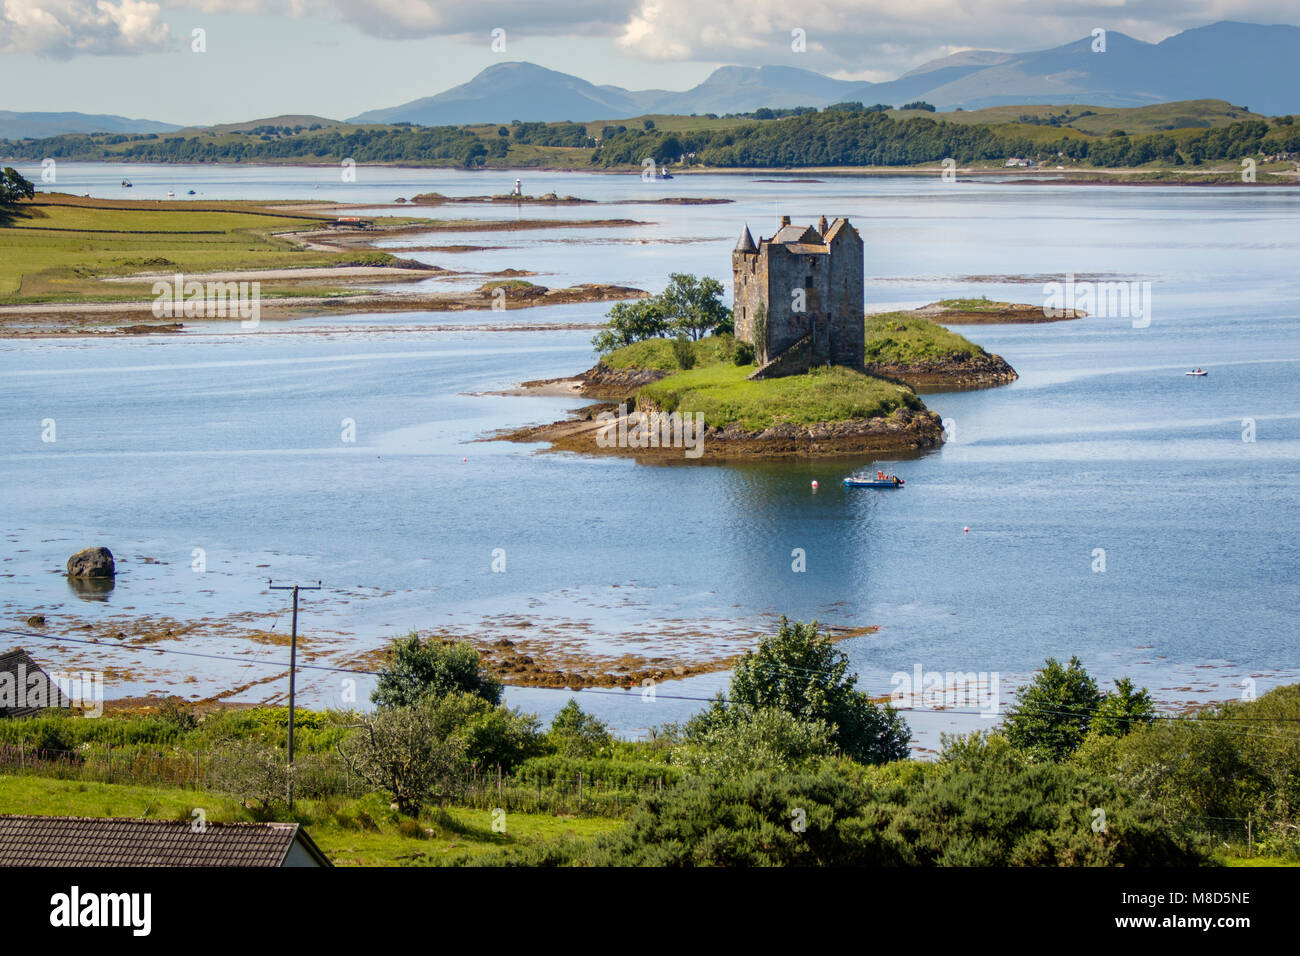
pixel 725 396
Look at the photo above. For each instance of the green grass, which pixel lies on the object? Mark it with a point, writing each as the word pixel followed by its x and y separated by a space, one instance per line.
pixel 658 353
pixel 900 338
pixel 1251 861
pixel 725 396
pixel 982 304
pixel 57 247
pixel 361 832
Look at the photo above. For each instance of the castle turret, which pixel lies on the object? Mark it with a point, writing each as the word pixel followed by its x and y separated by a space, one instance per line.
pixel 746 243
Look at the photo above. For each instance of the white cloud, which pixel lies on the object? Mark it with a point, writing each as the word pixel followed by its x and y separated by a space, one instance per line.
pixel 844 37
pixel 876 37
pixel 64 28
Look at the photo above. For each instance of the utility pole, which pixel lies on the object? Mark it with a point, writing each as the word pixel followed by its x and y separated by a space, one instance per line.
pixel 293 664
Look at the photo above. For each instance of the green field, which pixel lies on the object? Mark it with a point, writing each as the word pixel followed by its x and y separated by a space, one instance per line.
pixel 56 247
pixel 1101 120
pixel 356 832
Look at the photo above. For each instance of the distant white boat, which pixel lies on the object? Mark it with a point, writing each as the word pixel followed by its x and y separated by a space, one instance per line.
pixel 1197 371
pixel 126 184
pixel 170 194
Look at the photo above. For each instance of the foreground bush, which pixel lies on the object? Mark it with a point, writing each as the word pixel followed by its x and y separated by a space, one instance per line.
pixel 798 671
pixel 986 813
pixel 418 670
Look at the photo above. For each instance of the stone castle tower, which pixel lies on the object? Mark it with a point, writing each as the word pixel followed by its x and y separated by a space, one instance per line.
pixel 798 297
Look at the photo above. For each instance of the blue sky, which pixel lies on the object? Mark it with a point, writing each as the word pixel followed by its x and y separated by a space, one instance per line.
pixel 337 58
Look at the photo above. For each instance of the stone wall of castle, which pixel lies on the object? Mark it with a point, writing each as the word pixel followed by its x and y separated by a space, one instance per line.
pixel 784 292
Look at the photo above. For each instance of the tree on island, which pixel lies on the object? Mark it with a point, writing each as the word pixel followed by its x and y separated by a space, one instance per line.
pixel 689 308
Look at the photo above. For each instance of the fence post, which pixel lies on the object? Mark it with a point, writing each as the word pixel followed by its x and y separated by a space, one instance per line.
pixel 1250 837
pixel 110 763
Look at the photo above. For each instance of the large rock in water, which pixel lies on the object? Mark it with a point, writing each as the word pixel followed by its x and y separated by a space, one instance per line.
pixel 92 563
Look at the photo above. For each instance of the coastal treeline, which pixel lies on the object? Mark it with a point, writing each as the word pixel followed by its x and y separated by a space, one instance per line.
pixel 433 145
pixel 845 135
pixel 866 138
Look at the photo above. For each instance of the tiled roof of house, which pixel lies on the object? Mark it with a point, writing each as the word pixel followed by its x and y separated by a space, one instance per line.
pixel 95 842
pixel 19 665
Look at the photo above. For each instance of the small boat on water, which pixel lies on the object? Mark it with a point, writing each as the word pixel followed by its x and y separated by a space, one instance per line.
pixel 1197 371
pixel 126 184
pixel 880 480
pixel 170 194
pixel 191 193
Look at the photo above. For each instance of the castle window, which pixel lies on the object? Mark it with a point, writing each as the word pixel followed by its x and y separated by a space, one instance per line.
pixel 807 282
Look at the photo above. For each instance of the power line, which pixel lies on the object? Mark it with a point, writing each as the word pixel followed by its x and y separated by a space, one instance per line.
pixel 1001 712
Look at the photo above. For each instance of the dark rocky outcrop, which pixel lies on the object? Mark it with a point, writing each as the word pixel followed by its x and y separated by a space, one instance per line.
pixel 92 563
pixel 605 382
pixel 967 371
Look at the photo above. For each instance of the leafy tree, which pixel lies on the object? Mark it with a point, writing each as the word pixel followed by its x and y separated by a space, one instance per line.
pixel 575 733
pixel 14 188
pixel 417 670
pixel 414 753
pixel 1122 710
pixel 493 735
pixel 632 322
pixel 1053 711
pixel 693 306
pixel 798 671
pixel 918 105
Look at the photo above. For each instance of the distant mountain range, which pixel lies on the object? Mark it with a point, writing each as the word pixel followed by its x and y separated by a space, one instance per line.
pixel 38 125
pixel 1244 63
pixel 1247 64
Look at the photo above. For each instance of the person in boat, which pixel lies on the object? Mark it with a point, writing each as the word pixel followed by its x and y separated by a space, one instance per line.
pixel 896 481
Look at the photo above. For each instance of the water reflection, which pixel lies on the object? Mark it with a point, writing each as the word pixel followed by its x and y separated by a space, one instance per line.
pixel 92 589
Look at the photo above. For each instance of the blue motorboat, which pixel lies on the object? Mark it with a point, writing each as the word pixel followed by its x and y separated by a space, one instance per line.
pixel 888 481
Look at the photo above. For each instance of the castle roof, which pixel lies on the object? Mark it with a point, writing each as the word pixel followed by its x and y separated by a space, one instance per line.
pixel 746 243
pixel 792 234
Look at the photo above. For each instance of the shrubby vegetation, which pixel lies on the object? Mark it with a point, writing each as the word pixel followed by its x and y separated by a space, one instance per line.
pixel 792 765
